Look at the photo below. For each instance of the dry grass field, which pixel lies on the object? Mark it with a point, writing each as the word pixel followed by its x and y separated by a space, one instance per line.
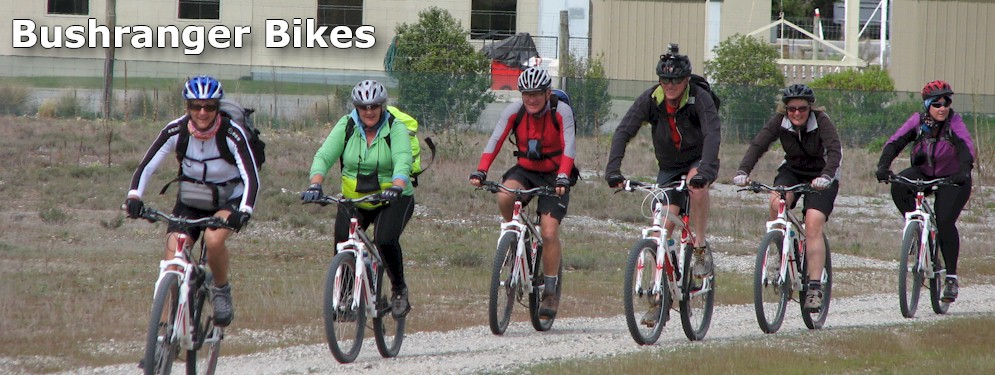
pixel 76 276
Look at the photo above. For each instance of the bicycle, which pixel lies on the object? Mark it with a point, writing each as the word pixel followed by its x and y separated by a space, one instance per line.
pixel 182 314
pixel 352 293
pixel 670 278
pixel 517 268
pixel 780 266
pixel 920 258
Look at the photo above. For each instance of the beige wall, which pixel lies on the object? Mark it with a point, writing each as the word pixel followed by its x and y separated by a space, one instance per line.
pixel 952 40
pixel 633 34
pixel 384 15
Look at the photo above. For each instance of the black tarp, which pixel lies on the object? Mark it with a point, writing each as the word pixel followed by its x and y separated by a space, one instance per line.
pixel 515 51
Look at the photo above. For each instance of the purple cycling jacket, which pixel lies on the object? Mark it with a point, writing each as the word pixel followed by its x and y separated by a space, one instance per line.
pixel 946 153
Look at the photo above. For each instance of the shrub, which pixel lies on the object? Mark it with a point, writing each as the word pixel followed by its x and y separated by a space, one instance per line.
pixel 13 99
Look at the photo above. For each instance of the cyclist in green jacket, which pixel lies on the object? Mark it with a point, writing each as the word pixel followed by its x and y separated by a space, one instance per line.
pixel 374 148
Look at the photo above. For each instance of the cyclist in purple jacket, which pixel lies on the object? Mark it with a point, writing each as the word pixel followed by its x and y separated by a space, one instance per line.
pixel 942 147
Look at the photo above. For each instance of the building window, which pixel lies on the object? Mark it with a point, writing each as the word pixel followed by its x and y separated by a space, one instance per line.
pixel 492 19
pixel 334 13
pixel 80 7
pixel 200 9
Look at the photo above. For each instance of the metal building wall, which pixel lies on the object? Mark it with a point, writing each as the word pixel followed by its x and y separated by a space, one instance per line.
pixel 952 40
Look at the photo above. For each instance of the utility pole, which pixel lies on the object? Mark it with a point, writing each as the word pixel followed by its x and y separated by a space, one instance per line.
pixel 111 14
pixel 563 50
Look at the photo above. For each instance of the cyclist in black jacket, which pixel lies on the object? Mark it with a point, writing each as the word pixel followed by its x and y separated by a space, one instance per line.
pixel 812 154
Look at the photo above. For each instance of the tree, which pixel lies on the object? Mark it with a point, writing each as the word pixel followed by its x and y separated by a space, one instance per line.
pixel 588 90
pixel 747 80
pixel 443 79
pixel 862 102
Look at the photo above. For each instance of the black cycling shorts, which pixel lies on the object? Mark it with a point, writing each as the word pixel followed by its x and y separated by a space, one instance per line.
pixel 553 205
pixel 821 201
pixel 182 210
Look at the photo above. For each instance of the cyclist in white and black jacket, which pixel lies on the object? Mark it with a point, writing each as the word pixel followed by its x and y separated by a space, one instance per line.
pixel 218 177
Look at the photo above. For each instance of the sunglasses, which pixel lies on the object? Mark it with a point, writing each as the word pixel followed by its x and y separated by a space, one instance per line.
pixel 671 81
pixel 803 108
pixel 197 107
pixel 369 107
pixel 939 104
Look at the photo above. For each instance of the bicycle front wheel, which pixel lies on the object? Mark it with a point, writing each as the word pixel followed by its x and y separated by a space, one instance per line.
pixel 344 324
pixel 388 331
pixel 503 288
pixel 699 297
pixel 203 360
pixel 160 348
pixel 936 283
pixel 535 295
pixel 770 292
pixel 816 319
pixel 644 309
pixel 910 274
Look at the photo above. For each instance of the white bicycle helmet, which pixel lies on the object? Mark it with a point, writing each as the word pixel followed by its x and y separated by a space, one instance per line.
pixel 533 79
pixel 203 87
pixel 369 92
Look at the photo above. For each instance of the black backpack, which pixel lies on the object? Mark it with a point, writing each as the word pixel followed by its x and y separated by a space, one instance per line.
pixel 703 83
pixel 233 112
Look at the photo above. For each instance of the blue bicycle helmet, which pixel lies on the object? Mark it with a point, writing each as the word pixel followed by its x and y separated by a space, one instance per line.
pixel 203 87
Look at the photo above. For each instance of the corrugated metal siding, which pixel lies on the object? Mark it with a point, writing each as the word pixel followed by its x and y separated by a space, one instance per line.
pixel 633 34
pixel 949 40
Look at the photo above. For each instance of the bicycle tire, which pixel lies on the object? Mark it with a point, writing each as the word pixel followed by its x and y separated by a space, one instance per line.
pixel 936 283
pixel 535 297
pixel 345 326
pixel 770 292
pixel 696 308
pixel 503 290
pixel 207 337
pixel 816 320
pixel 637 297
pixel 159 354
pixel 387 330
pixel 910 275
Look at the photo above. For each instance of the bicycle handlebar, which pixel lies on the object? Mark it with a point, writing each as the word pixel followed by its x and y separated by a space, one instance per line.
pixel 338 199
pixel 633 185
pixel 758 187
pixel 920 184
pixel 154 215
pixel 494 187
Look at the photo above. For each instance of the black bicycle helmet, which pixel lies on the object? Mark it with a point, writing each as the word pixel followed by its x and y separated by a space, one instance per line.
pixel 797 91
pixel 672 64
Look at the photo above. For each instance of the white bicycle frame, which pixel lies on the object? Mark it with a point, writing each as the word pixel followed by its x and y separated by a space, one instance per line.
pixel 183 268
pixel 664 263
pixel 519 227
pixel 923 214
pixel 356 244
pixel 788 225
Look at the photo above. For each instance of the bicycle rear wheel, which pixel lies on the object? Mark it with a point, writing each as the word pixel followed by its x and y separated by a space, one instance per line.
pixel 203 360
pixel 815 320
pixel 910 274
pixel 936 283
pixel 645 311
pixel 699 298
pixel 388 331
pixel 770 292
pixel 504 289
pixel 160 349
pixel 344 325
pixel 535 295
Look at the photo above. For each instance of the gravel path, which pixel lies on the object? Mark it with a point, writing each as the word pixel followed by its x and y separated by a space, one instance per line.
pixel 475 350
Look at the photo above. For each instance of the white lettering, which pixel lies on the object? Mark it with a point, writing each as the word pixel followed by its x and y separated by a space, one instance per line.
pixel 56 35
pixel 105 33
pixel 240 31
pixel 315 36
pixel 193 40
pixel 338 34
pixel 119 32
pixel 219 37
pixel 278 38
pixel 365 35
pixel 297 33
pixel 75 36
pixel 142 37
pixel 24 34
pixel 169 33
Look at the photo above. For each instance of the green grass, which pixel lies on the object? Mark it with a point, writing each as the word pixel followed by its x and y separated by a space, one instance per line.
pixel 961 346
